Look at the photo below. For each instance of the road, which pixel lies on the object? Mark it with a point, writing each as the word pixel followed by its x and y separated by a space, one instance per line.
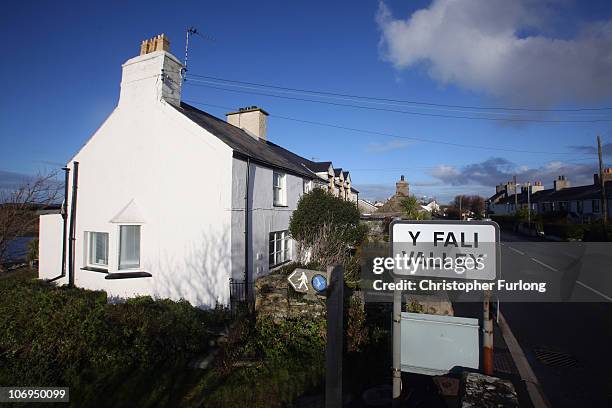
pixel 568 344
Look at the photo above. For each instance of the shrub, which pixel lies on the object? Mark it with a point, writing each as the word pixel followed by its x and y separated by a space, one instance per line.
pixel 319 208
pixel 356 330
pixel 58 336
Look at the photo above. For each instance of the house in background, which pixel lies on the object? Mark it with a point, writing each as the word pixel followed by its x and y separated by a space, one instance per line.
pixel 581 203
pixel 170 201
pixel 366 207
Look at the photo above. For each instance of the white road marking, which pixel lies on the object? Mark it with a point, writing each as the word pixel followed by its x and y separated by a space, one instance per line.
pixel 594 291
pixel 517 251
pixel 538 399
pixel 545 265
pixel 584 285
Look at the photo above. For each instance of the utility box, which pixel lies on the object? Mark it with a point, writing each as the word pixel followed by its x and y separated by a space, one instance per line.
pixel 433 344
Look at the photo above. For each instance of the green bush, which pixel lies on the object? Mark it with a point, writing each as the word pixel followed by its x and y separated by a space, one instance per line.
pixel 280 361
pixel 58 336
pixel 318 208
pixel 565 231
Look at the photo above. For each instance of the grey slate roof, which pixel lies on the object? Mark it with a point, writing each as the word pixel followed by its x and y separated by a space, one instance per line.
pixel 243 144
pixel 319 167
pixel 262 151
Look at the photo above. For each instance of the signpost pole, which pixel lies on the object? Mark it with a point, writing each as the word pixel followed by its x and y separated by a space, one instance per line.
pixel 333 351
pixel 487 341
pixel 397 373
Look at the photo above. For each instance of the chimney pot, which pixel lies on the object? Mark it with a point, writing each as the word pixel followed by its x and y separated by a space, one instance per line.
pixel 158 43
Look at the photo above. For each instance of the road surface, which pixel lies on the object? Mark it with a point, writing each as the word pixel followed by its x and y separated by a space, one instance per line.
pixel 568 344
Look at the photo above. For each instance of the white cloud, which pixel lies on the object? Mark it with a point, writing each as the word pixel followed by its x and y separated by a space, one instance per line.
pixel 388 146
pixel 499 170
pixel 476 44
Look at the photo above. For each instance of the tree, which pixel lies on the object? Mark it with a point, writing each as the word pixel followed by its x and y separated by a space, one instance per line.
pixel 18 208
pixel 326 227
pixel 412 209
pixel 474 204
pixel 477 205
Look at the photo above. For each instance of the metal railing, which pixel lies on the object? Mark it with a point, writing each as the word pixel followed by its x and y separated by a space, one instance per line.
pixel 238 294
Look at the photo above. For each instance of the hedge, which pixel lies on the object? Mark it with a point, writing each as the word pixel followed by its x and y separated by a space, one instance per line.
pixel 58 336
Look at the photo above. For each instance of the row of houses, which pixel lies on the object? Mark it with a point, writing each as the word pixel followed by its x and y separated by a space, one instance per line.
pixel 169 201
pixel 581 203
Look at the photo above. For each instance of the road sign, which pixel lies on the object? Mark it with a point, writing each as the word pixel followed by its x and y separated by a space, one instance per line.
pixel 319 283
pixel 445 249
pixel 308 281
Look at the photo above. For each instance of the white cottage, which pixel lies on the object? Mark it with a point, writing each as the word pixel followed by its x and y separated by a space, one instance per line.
pixel 163 197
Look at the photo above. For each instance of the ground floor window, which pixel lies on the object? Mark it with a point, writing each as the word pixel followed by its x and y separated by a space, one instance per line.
pixel 595 206
pixel 129 247
pixel 280 248
pixel 98 249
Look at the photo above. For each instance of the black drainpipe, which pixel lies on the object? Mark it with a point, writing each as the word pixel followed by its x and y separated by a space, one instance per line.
pixel 73 205
pixel 246 234
pixel 65 217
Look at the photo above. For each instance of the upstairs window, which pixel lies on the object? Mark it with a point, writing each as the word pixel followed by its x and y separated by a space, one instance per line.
pixel 307 186
pixel 129 247
pixel 98 249
pixel 278 188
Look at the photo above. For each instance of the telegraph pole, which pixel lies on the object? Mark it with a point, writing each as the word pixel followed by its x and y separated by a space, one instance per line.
pixel 602 183
pixel 529 205
pixel 515 196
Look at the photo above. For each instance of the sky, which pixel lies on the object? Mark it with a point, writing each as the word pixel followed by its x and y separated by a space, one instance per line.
pixel 434 68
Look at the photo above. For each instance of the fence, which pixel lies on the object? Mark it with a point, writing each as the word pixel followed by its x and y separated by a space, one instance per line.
pixel 238 298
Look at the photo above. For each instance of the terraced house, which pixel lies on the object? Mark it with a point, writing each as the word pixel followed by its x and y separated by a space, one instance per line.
pixel 582 204
pixel 170 201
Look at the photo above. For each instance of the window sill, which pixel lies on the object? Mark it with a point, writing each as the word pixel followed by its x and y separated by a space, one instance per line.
pixel 274 267
pixel 280 205
pixel 128 275
pixel 94 269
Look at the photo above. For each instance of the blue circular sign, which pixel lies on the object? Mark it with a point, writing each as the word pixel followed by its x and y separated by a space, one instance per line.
pixel 319 283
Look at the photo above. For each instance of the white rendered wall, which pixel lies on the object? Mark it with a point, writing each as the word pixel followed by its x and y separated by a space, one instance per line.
pixel 50 246
pixel 178 177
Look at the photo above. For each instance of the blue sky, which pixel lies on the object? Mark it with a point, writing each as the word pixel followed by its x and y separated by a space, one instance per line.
pixel 62 68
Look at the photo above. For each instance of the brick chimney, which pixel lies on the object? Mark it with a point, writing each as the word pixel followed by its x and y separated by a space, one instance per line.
pixel 152 76
pixel 251 119
pixel 560 183
pixel 402 188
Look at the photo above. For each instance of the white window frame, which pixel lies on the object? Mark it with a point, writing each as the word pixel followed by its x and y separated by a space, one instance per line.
pixel 132 268
pixel 90 248
pixel 282 189
pixel 307 186
pixel 279 248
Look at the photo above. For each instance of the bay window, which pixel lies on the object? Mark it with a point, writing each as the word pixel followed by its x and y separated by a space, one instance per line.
pixel 129 247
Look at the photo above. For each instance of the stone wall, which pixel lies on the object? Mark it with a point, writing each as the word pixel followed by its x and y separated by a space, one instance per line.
pixel 275 298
